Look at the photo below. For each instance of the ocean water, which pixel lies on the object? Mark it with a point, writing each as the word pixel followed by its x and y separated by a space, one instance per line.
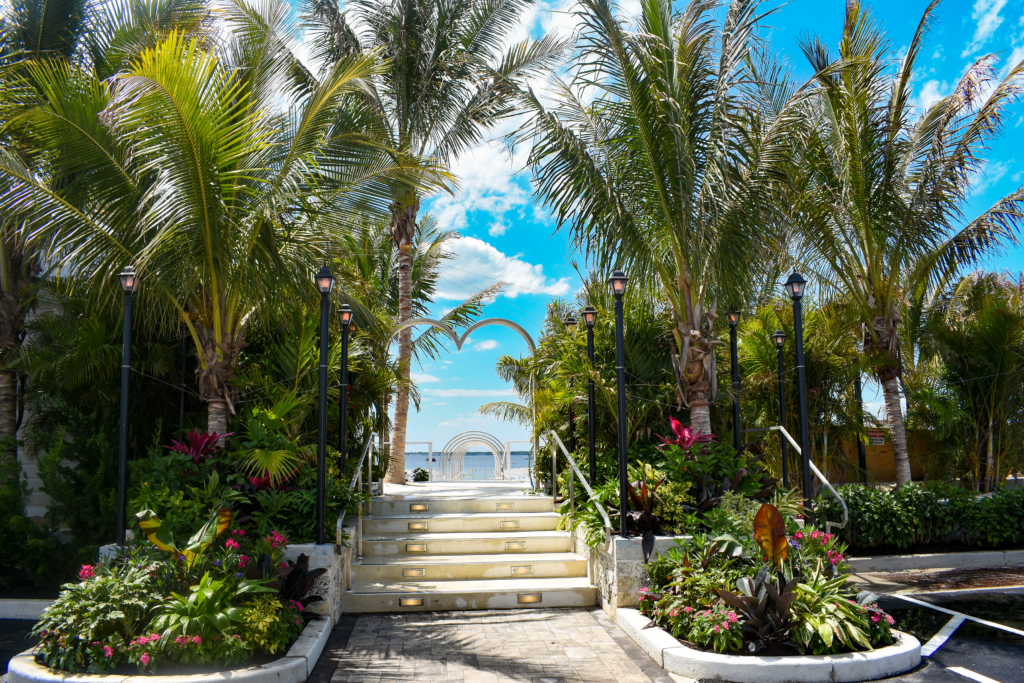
pixel 477 463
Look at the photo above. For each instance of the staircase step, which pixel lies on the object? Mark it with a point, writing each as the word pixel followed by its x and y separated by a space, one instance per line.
pixel 426 544
pixel 417 504
pixel 460 522
pixel 420 596
pixel 469 567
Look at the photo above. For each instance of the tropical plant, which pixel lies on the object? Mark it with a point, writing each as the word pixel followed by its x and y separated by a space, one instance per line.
pixel 268 625
pixel 716 627
pixel 200 446
pixel 770 535
pixel 297 580
pixel 660 156
pixel 268 448
pixel 827 619
pixel 448 79
pixel 211 609
pixel 882 196
pixel 243 136
pixel 643 497
pixel 765 607
pixel 188 552
pixel 89 625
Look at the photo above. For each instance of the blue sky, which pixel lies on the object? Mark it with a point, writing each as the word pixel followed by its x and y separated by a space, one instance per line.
pixel 505 237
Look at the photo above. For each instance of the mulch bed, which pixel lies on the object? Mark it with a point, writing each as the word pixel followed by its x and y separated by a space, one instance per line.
pixel 960 579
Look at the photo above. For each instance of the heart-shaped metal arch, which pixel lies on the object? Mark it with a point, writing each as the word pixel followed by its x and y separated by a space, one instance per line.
pixel 459 341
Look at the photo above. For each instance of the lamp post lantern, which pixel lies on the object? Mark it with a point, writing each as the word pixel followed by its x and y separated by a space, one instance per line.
pixel 795 288
pixel 618 284
pixel 734 319
pixel 345 317
pixel 780 339
pixel 589 318
pixel 324 284
pixel 570 325
pixel 129 283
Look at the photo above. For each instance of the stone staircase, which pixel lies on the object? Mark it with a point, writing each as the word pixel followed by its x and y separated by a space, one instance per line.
pixel 456 546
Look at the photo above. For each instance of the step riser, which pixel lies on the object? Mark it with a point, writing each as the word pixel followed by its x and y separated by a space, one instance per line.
pixel 460 525
pixel 469 546
pixel 469 571
pixel 356 603
pixel 470 505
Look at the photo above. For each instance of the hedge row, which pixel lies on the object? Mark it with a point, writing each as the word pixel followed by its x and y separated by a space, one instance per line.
pixel 936 513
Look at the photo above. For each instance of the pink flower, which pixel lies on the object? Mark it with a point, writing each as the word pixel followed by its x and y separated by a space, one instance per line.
pixel 181 641
pixel 798 535
pixel 816 535
pixel 725 625
pixel 687 609
pixel 144 659
pixel 888 617
pixel 875 618
pixel 231 543
pixel 238 532
pixel 86 572
pixel 731 616
pixel 242 561
pixel 141 640
pixel 674 613
pixel 283 565
pixel 196 640
pixel 108 651
pixel 645 590
pixel 716 628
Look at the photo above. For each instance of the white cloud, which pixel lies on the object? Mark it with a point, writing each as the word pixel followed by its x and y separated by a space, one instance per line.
pixel 1013 60
pixel 497 229
pixel 989 176
pixel 468 393
pixel 478 264
pixel 930 93
pixel 986 14
pixel 1017 177
pixel 486 345
pixel 423 378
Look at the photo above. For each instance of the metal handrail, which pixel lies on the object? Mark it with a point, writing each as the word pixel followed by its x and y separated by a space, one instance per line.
pixel 817 472
pixel 357 479
pixel 574 470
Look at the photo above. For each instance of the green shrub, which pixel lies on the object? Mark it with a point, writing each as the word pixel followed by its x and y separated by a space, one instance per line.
pixel 921 515
pixel 270 626
pixel 420 474
pixel 89 626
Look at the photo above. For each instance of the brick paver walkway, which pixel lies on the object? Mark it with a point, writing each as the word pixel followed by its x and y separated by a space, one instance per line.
pixel 542 646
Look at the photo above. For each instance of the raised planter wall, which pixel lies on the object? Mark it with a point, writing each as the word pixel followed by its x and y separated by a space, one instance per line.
pixel 619 571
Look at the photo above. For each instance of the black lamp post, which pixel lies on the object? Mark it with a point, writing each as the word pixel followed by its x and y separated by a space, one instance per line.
pixel 570 324
pixel 795 288
pixel 734 319
pixel 589 318
pixel 862 456
pixel 324 284
pixel 129 283
pixel 618 285
pixel 345 316
pixel 780 339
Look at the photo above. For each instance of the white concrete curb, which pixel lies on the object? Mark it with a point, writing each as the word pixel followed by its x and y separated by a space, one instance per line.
pixel 973 560
pixel 294 667
pixel 23 609
pixel 710 666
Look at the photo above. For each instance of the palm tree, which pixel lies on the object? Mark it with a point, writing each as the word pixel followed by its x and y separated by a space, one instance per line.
pixel 62 31
pixel 660 158
pixel 449 79
pixel 883 211
pixel 222 170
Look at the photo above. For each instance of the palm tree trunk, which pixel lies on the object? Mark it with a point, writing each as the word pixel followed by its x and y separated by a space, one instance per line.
pixel 396 470
pixel 894 414
pixel 403 231
pixel 217 416
pixel 8 409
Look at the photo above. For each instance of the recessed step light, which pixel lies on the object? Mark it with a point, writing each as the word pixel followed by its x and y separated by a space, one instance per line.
pixel 417 589
pixel 529 598
pixel 418 507
pixel 411 602
pixel 523 569
pixel 509 525
pixel 503 507
pixel 415 547
pixel 417 526
pixel 414 572
pixel 515 545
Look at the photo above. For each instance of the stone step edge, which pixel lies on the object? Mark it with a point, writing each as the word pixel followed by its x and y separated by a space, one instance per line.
pixel 445 587
pixel 484 558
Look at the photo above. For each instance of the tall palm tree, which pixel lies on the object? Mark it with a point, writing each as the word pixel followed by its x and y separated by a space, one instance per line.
pixel 885 201
pixel 660 158
pixel 449 79
pixel 62 31
pixel 222 170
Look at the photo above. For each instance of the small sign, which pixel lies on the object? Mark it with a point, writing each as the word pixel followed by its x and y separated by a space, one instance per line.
pixel 876 437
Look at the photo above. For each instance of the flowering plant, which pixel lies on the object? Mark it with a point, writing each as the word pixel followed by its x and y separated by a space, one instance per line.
pixel 270 625
pixel 811 545
pixel 717 627
pixel 149 651
pixel 684 436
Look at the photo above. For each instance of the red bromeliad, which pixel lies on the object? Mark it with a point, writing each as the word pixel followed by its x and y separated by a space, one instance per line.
pixel 685 437
pixel 200 446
